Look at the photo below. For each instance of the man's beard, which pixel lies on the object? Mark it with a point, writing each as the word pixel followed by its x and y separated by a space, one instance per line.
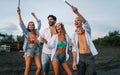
pixel 51 23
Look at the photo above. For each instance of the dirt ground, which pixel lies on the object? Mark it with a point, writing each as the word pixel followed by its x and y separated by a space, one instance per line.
pixel 107 62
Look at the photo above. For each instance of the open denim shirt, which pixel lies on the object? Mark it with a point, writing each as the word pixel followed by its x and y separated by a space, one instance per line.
pixel 26 33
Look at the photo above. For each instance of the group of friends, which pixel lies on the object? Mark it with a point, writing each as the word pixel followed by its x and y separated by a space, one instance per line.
pixel 56 45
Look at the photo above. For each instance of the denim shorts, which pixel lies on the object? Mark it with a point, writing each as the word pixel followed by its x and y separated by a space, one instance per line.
pixel 46 60
pixel 32 51
pixel 60 58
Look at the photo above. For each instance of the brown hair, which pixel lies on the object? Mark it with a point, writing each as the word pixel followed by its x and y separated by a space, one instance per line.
pixel 28 26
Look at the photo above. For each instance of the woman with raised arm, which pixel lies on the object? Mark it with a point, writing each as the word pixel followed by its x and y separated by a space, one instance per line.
pixel 83 49
pixel 31 45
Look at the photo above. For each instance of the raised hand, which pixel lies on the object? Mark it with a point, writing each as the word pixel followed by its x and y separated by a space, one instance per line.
pixel 19 15
pixel 74 9
pixel 18 10
pixel 33 14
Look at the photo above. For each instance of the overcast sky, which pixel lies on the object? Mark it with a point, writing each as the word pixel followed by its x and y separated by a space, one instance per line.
pixel 103 15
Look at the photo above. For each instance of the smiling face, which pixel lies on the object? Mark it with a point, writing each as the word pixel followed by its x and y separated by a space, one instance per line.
pixel 77 22
pixel 31 26
pixel 60 28
pixel 51 21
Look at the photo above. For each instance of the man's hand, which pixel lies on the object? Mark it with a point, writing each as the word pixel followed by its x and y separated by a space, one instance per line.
pixel 32 13
pixel 44 40
pixel 81 18
pixel 74 67
pixel 74 9
pixel 18 10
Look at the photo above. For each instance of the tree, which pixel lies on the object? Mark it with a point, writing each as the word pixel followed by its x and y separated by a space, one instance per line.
pixel 7 39
pixel 113 39
pixel 20 38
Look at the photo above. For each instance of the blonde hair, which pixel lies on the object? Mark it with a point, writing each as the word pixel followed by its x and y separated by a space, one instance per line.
pixel 62 26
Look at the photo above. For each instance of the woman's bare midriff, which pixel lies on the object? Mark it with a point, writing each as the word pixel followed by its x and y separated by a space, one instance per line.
pixel 61 51
pixel 33 44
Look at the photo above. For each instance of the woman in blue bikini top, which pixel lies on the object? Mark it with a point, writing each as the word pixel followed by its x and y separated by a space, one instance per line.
pixel 59 45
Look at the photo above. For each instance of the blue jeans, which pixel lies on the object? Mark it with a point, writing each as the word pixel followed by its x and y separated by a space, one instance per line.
pixel 31 51
pixel 46 60
pixel 60 58
pixel 86 65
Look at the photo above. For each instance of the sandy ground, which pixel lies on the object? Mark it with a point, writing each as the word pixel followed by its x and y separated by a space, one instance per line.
pixel 107 62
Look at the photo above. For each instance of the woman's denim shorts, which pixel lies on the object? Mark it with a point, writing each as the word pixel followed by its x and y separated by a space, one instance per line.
pixel 60 58
pixel 32 51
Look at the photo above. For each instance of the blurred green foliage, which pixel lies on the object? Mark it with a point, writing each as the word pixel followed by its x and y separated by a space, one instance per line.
pixel 112 39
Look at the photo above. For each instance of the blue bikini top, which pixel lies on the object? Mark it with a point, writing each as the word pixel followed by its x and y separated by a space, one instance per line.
pixel 61 44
